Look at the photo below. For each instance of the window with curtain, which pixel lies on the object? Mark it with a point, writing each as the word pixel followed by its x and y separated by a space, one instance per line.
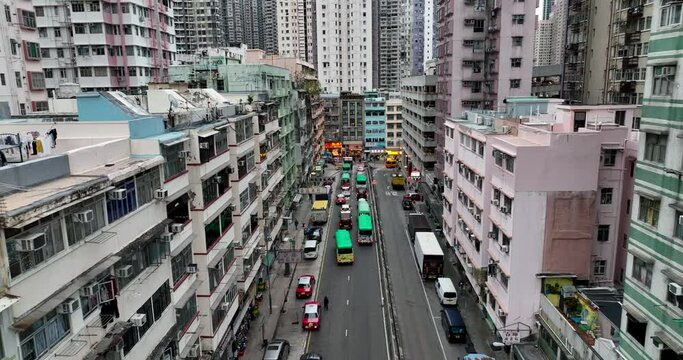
pixel 642 271
pixel 655 147
pixel 43 334
pixel 649 211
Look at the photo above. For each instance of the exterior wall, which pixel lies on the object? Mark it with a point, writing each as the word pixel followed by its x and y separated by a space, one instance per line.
pixel 21 89
pixel 418 96
pixel 429 31
pixel 254 23
pixel 375 123
pixel 207 16
pixel 352 123
pixel 394 124
pixel 543 46
pixel 655 235
pixel 345 60
pixel 390 44
pixel 97 58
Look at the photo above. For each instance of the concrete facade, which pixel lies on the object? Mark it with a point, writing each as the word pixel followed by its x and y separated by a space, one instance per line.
pixel 391 43
pixel 418 97
pixel 573 174
pixel 544 42
pixel 296 34
pixel 394 124
pixel 374 122
pixel 251 22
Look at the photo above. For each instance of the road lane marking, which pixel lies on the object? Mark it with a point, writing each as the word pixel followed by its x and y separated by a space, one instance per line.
pixel 348 278
pixel 429 306
pixel 347 302
pixel 379 276
pixel 346 332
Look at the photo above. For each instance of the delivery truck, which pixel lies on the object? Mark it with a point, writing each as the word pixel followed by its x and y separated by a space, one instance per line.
pixel 417 222
pixel 429 255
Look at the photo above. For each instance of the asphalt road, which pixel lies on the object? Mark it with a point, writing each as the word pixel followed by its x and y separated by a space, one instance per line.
pixel 353 327
pixel 415 301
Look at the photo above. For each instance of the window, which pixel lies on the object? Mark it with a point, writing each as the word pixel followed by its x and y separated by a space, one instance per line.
pixel 579 120
pixel 85 71
pixel 603 233
pixel 95 28
pixel 648 211
pixel 143 256
pixel 663 80
pixel 146 183
pixel 13 46
pixel 94 6
pixel 17 78
pixel 98 50
pixel 77 7
pixel 45 53
pixel 620 117
pixel 77 231
pixel 606 196
pixel 517 40
pixel 36 81
pixel 79 28
pixel 678 228
pixel 28 19
pixel 218 271
pixel 60 54
pixel 8 14
pixel 185 315
pixel 516 62
pixel 655 147
pixel 101 71
pixel 2 80
pixel 42 32
pixel 179 264
pixel 636 329
pixel 642 271
pixel 175 164
pixel 515 83
pixel 518 19
pixel 599 267
pixel 217 227
pixel 58 33
pixel 609 157
pixel 21 262
pixel 43 334
pixel 153 308
pixel 670 15
pixel 32 50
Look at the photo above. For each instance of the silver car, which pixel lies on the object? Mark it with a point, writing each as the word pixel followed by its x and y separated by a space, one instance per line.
pixel 277 349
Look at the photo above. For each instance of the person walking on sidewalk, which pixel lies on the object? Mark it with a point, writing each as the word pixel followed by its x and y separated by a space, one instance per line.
pixel 326 302
pixel 296 223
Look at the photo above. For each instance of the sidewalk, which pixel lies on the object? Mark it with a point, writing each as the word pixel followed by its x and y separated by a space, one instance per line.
pixel 284 322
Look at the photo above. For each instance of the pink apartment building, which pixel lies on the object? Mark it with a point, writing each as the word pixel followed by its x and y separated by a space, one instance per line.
pixel 531 201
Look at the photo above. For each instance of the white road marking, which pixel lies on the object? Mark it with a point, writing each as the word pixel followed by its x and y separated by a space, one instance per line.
pixel 429 306
pixel 346 332
pixel 347 302
pixel 394 193
pixel 348 278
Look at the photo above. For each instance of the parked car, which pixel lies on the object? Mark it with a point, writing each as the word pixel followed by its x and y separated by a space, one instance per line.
pixel 314 233
pixel 277 349
pixel 407 204
pixel 311 320
pixel 341 199
pixel 304 288
pixel 311 356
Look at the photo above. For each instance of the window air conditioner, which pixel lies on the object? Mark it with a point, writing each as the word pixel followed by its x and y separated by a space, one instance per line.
pixel 203 145
pixel 218 179
pixel 191 269
pixel 675 289
pixel 160 194
pixel 504 209
pixel 505 248
pixel 124 272
pixel 84 216
pixel 177 227
pixel 500 312
pixel 247 268
pixel 680 220
pixel 225 306
pixel 495 202
pixel 118 194
pixel 477 217
pixel 90 289
pixel 184 154
pixel 492 235
pixel 138 320
pixel 68 306
pixel 30 242
pixel 167 237
pixel 194 351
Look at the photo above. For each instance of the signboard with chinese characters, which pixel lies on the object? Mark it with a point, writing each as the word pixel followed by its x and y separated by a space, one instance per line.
pixel 512 333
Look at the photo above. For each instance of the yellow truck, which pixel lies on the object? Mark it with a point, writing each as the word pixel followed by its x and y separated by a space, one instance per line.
pixel 319 211
pixel 398 182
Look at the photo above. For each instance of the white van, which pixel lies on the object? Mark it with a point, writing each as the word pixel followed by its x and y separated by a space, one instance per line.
pixel 446 291
pixel 310 249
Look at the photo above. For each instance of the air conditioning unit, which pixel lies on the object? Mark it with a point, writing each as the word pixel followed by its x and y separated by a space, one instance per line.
pixel 69 306
pixel 680 220
pixel 247 269
pixel 90 289
pixel 124 272
pixel 184 154
pixel 477 177
pixel 203 145
pixel 177 227
pixel 118 194
pixel 138 320
pixel 460 222
pixel 194 351
pixel 495 202
pixel 84 216
pixel 506 129
pixel 191 269
pixel 166 237
pixel 477 217
pixel 160 194
pixel 472 237
pixel 492 235
pixel 225 306
pixel 504 209
pixel 30 242
pixel 505 248
pixel 500 312
pixel 675 289
pixel 218 179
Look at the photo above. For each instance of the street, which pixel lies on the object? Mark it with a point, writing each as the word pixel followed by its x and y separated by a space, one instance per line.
pixel 353 327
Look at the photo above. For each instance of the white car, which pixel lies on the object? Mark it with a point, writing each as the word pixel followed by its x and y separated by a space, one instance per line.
pixel 346 187
pixel 346 207
pixel 360 168
pixel 347 193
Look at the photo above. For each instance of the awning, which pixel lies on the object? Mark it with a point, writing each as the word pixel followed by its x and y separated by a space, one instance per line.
pixel 640 254
pixel 175 141
pixel 207 133
pixel 222 126
pixel 635 313
pixel 7 300
pixel 51 302
pixel 669 341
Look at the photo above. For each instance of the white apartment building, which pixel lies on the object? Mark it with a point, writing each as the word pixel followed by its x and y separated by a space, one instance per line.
pixel 543 45
pixel 22 85
pixel 429 31
pixel 296 29
pixel 145 243
pixel 345 45
pixel 534 202
pixel 394 133
pixel 105 46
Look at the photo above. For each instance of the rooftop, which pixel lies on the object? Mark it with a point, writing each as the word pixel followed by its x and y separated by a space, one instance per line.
pixel 608 301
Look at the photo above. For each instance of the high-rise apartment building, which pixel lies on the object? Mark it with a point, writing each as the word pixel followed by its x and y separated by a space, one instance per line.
pixel 198 25
pixel 585 51
pixel 546 9
pixel 653 292
pixel 392 45
pixel 544 43
pixel 251 22
pixel 22 81
pixel 101 45
pixel 484 54
pixel 568 169
pixel 558 19
pixel 296 29
pixel 351 123
pixel 429 31
pixel 374 123
pixel 629 43
pixel 418 97
pixel 345 45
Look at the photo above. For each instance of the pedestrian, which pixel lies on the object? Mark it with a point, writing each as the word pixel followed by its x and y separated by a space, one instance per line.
pixel 461 284
pixel 296 223
pixel 326 302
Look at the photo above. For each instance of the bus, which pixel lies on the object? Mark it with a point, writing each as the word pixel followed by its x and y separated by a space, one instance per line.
pixel 345 178
pixel 319 212
pixel 363 207
pixel 344 247
pixel 346 167
pixel 361 179
pixel 390 163
pixel 365 229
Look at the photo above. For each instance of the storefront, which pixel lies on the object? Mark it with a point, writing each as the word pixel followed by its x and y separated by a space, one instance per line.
pixel 333 150
pixel 354 149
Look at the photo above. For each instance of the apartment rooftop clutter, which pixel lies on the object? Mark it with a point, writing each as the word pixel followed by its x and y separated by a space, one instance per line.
pixel 418 95
pixel 22 84
pixel 105 46
pixel 567 165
